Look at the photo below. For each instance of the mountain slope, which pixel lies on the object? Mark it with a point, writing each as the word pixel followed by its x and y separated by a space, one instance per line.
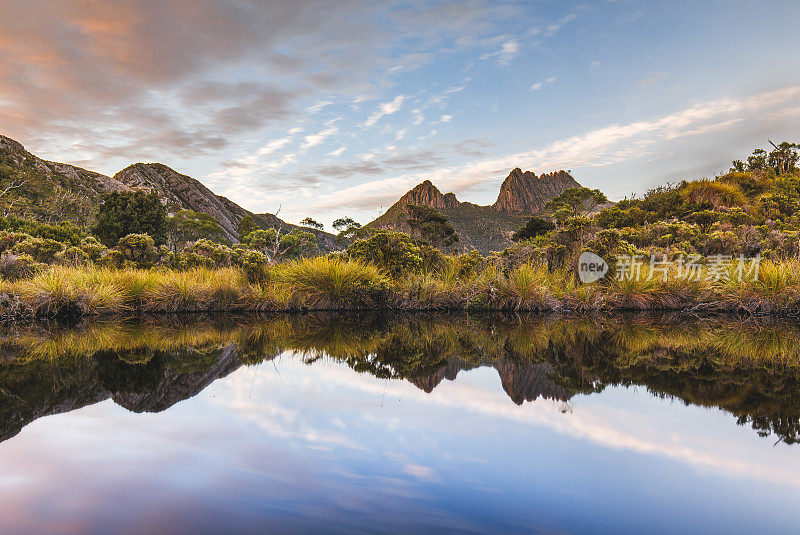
pixel 485 228
pixel 51 191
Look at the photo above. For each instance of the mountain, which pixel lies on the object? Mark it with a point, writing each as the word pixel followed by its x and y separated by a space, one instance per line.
pixel 527 193
pixel 485 228
pixel 51 191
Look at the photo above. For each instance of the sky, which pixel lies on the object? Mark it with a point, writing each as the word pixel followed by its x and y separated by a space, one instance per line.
pixel 336 108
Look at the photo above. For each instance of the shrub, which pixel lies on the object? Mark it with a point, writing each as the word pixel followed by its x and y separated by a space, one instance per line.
pixel 330 283
pixel 713 194
pixel 42 250
pixel 536 226
pixel 393 251
pixel 138 250
pixel 15 267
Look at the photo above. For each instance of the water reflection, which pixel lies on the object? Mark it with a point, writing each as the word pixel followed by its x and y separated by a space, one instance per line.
pixel 747 368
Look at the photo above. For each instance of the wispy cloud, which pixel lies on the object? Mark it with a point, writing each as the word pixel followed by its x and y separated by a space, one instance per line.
pixel 508 51
pixel 387 108
pixel 601 147
pixel 313 140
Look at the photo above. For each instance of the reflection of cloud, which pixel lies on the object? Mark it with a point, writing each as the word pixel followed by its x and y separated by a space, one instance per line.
pixel 607 426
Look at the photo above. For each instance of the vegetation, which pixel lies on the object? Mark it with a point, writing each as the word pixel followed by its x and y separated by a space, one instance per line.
pixel 747 368
pixel 750 212
pixel 123 213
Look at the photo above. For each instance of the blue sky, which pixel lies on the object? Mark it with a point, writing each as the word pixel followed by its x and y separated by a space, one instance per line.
pixel 327 109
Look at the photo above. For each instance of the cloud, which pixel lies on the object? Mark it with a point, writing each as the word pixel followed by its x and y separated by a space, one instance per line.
pixel 597 148
pixel 653 79
pixel 313 140
pixel 387 108
pixel 507 52
pixel 337 152
pixel 446 118
pixel 556 26
pixel 538 85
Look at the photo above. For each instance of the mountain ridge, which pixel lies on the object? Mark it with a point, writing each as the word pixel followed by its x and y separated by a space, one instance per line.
pixel 75 193
pixel 485 228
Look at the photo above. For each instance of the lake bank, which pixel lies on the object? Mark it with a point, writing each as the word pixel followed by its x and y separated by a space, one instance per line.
pixel 334 284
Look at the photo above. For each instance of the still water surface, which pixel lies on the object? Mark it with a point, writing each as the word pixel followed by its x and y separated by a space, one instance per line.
pixel 401 424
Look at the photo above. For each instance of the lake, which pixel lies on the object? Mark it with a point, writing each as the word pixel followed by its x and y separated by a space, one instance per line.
pixel 389 424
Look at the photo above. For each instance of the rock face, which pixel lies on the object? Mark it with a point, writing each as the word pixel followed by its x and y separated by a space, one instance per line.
pixel 484 228
pixel 426 194
pixel 527 193
pixel 181 192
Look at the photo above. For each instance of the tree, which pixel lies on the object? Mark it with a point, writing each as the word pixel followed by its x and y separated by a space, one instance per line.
pixel 575 201
pixel 346 227
pixel 536 226
pixel 245 227
pixel 188 226
pixel 277 245
pixel 124 213
pixel 431 226
pixel 309 222
pixel 783 160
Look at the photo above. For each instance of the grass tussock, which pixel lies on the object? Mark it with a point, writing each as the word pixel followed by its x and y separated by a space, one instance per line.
pixel 340 284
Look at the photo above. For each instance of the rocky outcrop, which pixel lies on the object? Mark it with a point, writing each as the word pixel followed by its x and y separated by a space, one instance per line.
pixel 182 192
pixel 48 184
pixel 426 194
pixel 527 193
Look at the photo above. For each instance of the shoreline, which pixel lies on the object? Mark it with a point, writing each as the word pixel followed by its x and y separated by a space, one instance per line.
pixel 335 285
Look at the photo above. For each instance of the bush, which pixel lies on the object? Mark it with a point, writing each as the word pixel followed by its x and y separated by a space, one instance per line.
pixel 393 251
pixel 138 250
pixel 254 264
pixel 15 267
pixel 204 253
pixel 536 226
pixel 42 250
pixel 330 283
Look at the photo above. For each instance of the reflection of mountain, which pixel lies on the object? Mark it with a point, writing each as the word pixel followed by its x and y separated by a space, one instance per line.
pixel 529 381
pixel 53 389
pixel 178 386
pixel 751 370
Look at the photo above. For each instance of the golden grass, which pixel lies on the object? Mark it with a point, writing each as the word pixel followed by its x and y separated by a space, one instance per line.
pixel 336 284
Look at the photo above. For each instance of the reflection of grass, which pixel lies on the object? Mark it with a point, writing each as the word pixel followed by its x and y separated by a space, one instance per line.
pixel 332 283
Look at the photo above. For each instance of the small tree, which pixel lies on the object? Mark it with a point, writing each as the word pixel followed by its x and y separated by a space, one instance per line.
pixel 312 223
pixel 536 226
pixel 575 201
pixel 124 213
pixel 245 227
pixel 431 226
pixel 346 227
pixel 188 226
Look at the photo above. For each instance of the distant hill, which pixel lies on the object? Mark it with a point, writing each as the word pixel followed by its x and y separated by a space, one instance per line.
pixel 485 228
pixel 51 191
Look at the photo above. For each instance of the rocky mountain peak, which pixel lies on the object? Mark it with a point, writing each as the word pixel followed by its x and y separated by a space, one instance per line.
pixel 524 192
pixel 426 194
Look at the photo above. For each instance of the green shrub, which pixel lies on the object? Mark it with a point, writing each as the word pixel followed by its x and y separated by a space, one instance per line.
pixel 393 251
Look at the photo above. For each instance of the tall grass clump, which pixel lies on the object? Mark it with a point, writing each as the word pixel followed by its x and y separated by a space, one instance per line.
pixel 333 283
